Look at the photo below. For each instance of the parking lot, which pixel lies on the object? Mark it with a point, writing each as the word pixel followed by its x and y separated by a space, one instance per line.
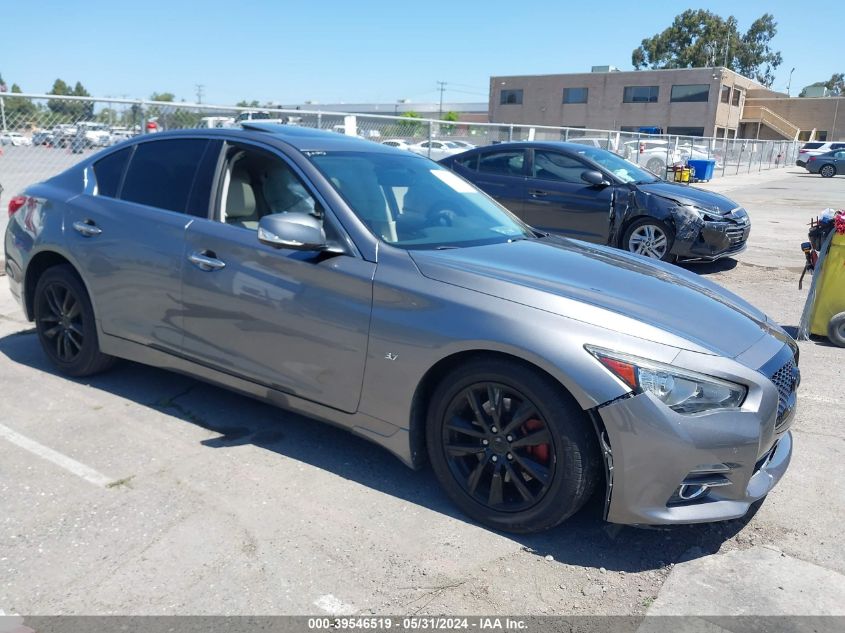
pixel 145 492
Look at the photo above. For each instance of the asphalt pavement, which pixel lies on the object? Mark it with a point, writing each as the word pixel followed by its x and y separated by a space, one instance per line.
pixel 141 491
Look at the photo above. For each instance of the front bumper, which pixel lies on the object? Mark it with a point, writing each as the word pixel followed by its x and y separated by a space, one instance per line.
pixel 651 451
pixel 699 240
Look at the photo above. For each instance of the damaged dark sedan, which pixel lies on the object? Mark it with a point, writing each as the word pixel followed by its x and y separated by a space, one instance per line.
pixel 594 195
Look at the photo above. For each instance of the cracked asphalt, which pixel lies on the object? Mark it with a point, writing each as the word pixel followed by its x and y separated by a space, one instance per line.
pixel 218 504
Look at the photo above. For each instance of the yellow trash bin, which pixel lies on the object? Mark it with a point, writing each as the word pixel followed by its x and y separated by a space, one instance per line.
pixel 830 293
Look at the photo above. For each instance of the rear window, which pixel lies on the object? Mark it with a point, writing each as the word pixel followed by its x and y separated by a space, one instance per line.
pixel 812 145
pixel 837 146
pixel 109 170
pixel 161 173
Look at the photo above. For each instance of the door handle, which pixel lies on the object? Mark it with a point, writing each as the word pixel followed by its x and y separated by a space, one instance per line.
pixel 537 193
pixel 87 228
pixel 206 260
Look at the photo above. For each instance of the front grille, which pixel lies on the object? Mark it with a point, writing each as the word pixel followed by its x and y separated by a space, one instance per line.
pixel 784 379
pixel 738 235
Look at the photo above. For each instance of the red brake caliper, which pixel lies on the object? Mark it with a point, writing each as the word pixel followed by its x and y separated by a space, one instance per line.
pixel 539 453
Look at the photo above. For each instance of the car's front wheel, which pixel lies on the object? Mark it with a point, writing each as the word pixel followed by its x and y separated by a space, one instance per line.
pixel 649 237
pixel 827 171
pixel 64 320
pixel 510 447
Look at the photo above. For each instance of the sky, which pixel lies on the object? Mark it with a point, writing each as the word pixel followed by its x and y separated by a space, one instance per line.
pixel 371 51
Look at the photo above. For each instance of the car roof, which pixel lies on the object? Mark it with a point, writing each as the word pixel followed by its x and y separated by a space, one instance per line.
pixel 300 138
pixel 573 147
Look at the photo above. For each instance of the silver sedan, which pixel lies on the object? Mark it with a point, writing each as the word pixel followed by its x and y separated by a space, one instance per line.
pixel 373 289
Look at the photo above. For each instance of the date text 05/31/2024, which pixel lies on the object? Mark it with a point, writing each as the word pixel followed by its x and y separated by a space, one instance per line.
pixel 416 623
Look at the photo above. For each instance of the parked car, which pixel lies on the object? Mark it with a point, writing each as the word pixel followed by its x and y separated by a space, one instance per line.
pixel 827 165
pixel 374 289
pixel 816 148
pixel 95 134
pixel 653 154
pixel 63 134
pixel 15 139
pixel 397 143
pixel 42 138
pixel 435 150
pixel 594 195
pixel 462 144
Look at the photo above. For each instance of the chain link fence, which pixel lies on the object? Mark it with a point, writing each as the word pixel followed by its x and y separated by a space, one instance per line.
pixel 41 135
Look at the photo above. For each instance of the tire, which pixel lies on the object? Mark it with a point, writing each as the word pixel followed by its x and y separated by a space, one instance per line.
pixel 64 320
pixel 651 238
pixel 656 166
pixel 836 329
pixel 827 171
pixel 526 478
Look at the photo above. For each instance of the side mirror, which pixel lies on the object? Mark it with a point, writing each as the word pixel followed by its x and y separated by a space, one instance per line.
pixel 297 231
pixel 593 177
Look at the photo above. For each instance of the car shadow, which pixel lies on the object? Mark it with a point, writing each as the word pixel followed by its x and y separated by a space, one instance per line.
pixel 585 539
pixel 709 268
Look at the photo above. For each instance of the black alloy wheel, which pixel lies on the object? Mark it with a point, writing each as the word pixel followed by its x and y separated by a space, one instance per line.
pixel 60 321
pixel 498 447
pixel 510 446
pixel 64 320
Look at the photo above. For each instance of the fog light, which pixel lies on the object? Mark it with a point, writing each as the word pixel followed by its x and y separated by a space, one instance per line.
pixel 692 492
pixel 696 487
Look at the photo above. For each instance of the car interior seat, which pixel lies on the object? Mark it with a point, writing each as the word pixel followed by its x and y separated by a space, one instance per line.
pixel 240 208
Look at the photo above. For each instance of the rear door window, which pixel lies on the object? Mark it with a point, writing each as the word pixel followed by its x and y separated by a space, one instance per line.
pixel 161 173
pixel 506 163
pixel 812 145
pixel 109 171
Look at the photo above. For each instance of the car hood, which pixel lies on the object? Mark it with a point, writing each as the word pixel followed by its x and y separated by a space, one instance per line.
pixel 606 287
pixel 686 195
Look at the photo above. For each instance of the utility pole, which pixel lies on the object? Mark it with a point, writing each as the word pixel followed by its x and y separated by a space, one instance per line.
pixel 199 89
pixel 789 83
pixel 441 85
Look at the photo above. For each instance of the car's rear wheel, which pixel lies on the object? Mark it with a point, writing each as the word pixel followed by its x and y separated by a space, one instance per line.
pixel 649 237
pixel 510 447
pixel 827 171
pixel 656 166
pixel 64 320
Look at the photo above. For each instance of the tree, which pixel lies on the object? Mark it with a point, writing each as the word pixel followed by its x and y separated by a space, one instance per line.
pixel 698 38
pixel 18 107
pixel 70 110
pixel 836 84
pixel 247 104
pixel 411 127
pixel 450 116
pixel 163 96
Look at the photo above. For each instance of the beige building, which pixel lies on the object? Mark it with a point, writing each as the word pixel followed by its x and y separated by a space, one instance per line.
pixel 691 101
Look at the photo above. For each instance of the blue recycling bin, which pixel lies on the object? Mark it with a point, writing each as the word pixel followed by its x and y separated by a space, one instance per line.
pixel 703 168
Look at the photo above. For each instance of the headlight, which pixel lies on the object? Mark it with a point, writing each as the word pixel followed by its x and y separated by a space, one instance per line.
pixel 681 390
pixel 707 215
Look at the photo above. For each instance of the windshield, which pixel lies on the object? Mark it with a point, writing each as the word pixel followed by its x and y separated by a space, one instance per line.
pixel 411 202
pixel 624 170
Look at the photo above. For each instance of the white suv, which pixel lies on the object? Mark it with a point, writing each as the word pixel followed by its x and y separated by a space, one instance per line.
pixel 815 148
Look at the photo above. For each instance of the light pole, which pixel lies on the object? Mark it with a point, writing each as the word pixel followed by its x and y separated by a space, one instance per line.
pixel 789 83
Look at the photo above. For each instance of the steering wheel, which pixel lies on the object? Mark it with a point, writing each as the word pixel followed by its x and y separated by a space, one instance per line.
pixel 441 213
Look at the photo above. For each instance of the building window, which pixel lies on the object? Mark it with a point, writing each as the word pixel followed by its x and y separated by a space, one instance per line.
pixel 686 131
pixel 641 94
pixel 511 97
pixel 689 93
pixel 575 95
pixel 736 97
pixel 720 132
pixel 726 94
